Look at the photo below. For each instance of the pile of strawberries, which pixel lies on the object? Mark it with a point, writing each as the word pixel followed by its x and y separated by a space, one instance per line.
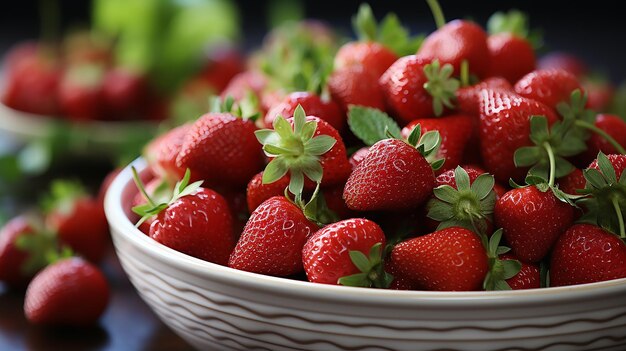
pixel 55 252
pixel 453 166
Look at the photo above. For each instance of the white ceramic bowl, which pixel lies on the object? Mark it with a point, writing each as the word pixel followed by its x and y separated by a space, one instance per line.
pixel 219 308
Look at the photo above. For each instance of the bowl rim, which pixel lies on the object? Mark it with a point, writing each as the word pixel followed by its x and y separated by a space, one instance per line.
pixel 122 226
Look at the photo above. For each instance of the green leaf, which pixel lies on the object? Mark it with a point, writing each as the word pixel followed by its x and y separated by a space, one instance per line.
pixel 494 242
pixel 273 150
pixel 314 171
pixel 275 170
pixel 437 164
pixel 397 38
pixel 282 127
pixel 501 285
pixel 502 250
pixel 483 185
pixel 319 145
pixel 430 142
pixel 514 22
pixel 606 168
pixel 266 136
pixel 527 156
pixel 539 131
pixel 562 167
pixel 308 131
pixel 415 135
pixel 462 179
pixel 299 119
pixel 360 260
pixel 369 124
pixel 594 178
pixel 296 183
pixel 358 280
pixel 488 203
pixel 446 193
pixel 439 211
pixel 364 23
pixel 511 268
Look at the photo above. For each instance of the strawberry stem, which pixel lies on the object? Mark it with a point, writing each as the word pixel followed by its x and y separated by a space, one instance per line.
pixel 141 187
pixel 603 134
pixel 465 81
pixel 620 218
pixel 548 147
pixel 440 20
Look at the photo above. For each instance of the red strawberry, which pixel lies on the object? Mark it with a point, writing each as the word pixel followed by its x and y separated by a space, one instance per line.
pixel 512 57
pixel 532 221
pixel 452 259
pixel 393 176
pixel 586 253
pixel 399 282
pixel 358 156
pixel 272 240
pixel 600 94
pixel 31 85
pixel 257 192
pixel 243 83
pixel 614 126
pixel 220 66
pixel 78 220
pixel 12 258
pixel 455 132
pixel 572 182
pixel 355 85
pixel 527 278
pixel 455 42
pixel 448 178
pixel 123 94
pixel 159 190
pixel 328 254
pixel 564 61
pixel 373 56
pixel 161 153
pixel 505 127
pixel 468 98
pixel 80 92
pixel 416 87
pixel 548 86
pixel 334 200
pixel 70 292
pixel 328 111
pixel 221 149
pixel 196 221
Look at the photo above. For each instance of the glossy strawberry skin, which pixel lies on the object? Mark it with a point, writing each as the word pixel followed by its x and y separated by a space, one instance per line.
pixel 257 192
pixel 403 87
pixel 161 153
pixel 600 94
pixel 84 228
pixel 272 240
pixel 243 83
pixel 393 176
pixel 326 254
pixel 399 282
pixel 12 259
pixel 452 259
pixel 355 85
pixel 358 156
pixel 373 56
pixel 328 111
pixel 618 162
pixel 70 292
pixel 468 98
pixel 528 277
pixel 456 41
pixel 532 221
pixel 222 150
pixel 221 65
pixel 612 125
pixel 548 86
pixel 564 61
pixel 80 93
pixel 512 57
pixel 199 225
pixel 585 254
pixel 455 132
pixel 505 127
pixel 572 182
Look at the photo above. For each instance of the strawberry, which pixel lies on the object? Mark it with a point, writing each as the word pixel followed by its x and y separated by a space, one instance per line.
pixel 373 56
pixel 399 282
pixel 304 146
pixel 327 111
pixel 80 92
pixel 505 127
pixel 617 162
pixel 457 41
pixel 221 148
pixel 528 277
pixel 532 221
pixel 159 191
pixel 415 87
pixel 511 52
pixel 612 125
pixel 564 61
pixel 78 220
pixel 572 182
pixel 70 292
pixel 123 93
pixel 12 258
pixel 448 178
pixel 161 153
pixel 394 175
pixel 455 132
pixel 600 94
pixel 333 196
pixel 468 97
pixel 355 85
pixel 338 254
pixel 272 240
pixel 257 192
pixel 586 253
pixel 32 83
pixel 358 156
pixel 451 259
pixel 196 221
pixel 548 86
pixel 220 66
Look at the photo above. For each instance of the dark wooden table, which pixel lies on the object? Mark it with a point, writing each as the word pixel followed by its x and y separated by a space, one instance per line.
pixel 128 323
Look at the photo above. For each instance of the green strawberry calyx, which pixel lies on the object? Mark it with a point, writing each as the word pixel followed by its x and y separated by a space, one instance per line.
pixel 42 247
pixel 372 273
pixel 441 85
pixel 246 108
pixel 153 206
pixel 467 206
pixel 389 32
pixel 62 196
pixel 516 23
pixel 294 150
pixel 427 144
pixel 316 209
pixel 606 201
pixel 499 270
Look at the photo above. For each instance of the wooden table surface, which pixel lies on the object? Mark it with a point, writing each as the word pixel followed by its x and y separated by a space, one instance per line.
pixel 128 323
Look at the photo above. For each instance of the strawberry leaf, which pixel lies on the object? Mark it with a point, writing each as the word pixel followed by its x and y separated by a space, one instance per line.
pixel 482 186
pixel 397 38
pixel 370 124
pixel 319 145
pixel 360 260
pixel 317 210
pixel 364 23
pixel 499 270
